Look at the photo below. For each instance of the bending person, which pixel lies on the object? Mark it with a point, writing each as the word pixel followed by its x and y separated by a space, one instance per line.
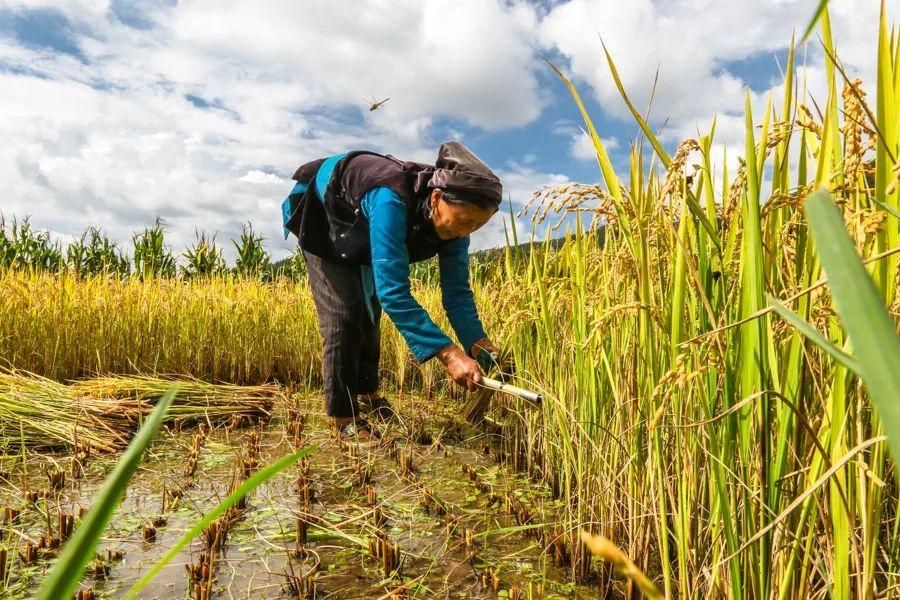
pixel 361 219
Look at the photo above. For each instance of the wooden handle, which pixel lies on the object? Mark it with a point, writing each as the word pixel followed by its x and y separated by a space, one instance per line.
pixel 529 396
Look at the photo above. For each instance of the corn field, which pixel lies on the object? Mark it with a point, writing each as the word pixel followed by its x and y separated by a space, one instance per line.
pixel 720 449
pixel 24 248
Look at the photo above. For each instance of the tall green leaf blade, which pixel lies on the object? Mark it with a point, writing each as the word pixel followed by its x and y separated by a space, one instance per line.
pixel 654 141
pixel 66 573
pixel 872 333
pixel 813 335
pixel 823 4
pixel 891 211
pixel 606 166
pixel 660 151
pixel 887 149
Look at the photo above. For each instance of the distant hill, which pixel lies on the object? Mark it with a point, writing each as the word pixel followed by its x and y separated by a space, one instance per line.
pixel 485 255
pixel 525 247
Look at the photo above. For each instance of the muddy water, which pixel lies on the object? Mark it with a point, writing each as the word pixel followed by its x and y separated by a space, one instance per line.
pixel 450 516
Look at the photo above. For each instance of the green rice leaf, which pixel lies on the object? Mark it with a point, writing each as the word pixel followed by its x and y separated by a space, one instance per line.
pixel 814 336
pixel 654 141
pixel 823 4
pixel 66 573
pixel 692 203
pixel 606 166
pixel 245 488
pixel 876 344
pixel 888 209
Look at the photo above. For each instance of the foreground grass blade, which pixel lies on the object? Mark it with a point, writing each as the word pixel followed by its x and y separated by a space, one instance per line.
pixel 66 573
pixel 810 332
pixel 823 4
pixel 245 488
pixel 876 344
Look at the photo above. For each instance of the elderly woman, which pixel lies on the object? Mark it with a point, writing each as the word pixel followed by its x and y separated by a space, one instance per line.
pixel 361 219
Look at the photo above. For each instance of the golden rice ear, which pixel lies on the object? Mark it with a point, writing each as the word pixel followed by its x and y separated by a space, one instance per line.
pixel 604 548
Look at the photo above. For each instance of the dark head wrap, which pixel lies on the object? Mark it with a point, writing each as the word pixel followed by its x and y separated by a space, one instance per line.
pixel 465 177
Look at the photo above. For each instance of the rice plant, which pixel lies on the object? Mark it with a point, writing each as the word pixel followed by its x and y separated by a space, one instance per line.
pixel 234 329
pixel 723 451
pixel 103 412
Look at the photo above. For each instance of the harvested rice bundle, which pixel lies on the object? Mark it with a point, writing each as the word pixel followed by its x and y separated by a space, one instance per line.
pixel 39 412
pixel 105 411
pixel 130 398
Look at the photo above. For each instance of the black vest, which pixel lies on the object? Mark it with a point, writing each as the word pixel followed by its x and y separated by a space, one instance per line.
pixel 336 229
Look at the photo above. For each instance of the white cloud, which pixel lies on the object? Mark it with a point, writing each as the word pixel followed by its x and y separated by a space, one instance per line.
pixel 202 117
pixel 692 43
pixel 431 58
pixel 114 140
pixel 581 147
pixel 262 178
pixel 75 10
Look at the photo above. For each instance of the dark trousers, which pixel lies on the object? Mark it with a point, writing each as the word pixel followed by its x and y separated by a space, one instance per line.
pixel 351 341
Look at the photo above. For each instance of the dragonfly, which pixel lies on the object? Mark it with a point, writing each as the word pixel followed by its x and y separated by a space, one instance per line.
pixel 375 104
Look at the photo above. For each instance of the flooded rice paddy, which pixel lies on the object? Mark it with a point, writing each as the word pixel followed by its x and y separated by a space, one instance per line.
pixel 432 511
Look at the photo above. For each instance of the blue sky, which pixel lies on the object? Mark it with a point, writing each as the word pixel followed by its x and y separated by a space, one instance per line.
pixel 198 111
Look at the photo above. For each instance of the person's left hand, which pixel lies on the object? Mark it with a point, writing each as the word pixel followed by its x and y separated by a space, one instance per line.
pixel 483 344
pixel 490 358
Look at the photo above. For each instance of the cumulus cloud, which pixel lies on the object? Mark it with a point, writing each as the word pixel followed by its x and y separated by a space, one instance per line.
pixel 258 177
pixel 199 111
pixel 581 147
pixel 697 47
pixel 204 124
pixel 76 10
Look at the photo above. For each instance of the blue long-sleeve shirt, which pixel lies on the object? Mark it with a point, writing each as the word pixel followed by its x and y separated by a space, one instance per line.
pixel 387 216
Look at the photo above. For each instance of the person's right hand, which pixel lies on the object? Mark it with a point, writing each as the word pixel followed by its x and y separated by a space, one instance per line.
pixel 462 368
